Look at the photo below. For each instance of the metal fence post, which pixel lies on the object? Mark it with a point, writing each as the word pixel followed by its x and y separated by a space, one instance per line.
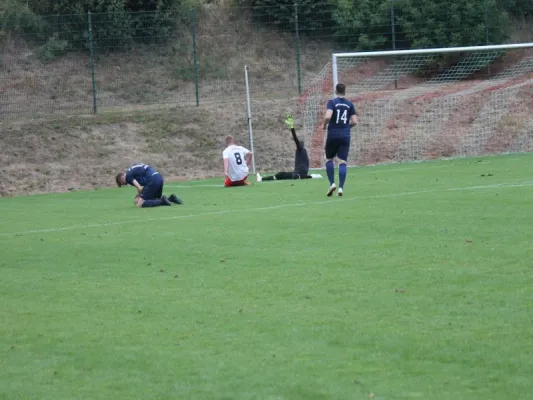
pixel 393 31
pixel 486 22
pixel 487 31
pixel 195 56
pixel 297 36
pixel 91 54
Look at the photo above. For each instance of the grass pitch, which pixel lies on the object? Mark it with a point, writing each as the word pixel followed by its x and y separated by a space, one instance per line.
pixel 416 284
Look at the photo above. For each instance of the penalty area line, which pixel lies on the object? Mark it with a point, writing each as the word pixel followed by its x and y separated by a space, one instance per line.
pixel 133 221
pixel 172 185
pixel 258 209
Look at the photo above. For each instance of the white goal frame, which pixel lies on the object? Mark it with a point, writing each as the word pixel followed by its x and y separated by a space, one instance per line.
pixel 444 50
pixel 423 104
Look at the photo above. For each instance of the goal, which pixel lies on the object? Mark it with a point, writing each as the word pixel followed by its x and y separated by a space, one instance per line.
pixel 428 103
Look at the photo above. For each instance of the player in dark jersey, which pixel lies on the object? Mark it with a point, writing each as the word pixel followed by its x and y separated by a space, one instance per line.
pixel 339 119
pixel 149 184
pixel 301 160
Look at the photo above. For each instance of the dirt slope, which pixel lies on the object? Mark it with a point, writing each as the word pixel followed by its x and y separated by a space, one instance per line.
pixel 83 152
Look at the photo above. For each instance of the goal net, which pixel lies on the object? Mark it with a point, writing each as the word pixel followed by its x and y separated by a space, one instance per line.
pixel 428 104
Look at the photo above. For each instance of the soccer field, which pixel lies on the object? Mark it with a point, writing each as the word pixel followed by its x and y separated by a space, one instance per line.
pixel 417 284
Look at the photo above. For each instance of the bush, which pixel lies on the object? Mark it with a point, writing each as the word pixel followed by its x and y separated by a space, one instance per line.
pixel 433 23
pixel 517 8
pixel 116 23
pixel 52 49
pixel 363 24
pixel 366 24
pixel 17 17
pixel 314 17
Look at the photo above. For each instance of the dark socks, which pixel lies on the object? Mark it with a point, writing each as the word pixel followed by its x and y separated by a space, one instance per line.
pixel 269 178
pixel 330 170
pixel 342 175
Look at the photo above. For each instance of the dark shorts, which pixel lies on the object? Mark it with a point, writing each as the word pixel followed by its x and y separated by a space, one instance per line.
pixel 337 147
pixel 153 189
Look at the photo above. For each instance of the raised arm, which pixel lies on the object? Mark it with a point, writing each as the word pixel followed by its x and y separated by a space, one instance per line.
pixel 296 140
pixel 289 121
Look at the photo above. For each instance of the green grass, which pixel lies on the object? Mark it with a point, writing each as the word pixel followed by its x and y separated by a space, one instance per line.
pixel 415 285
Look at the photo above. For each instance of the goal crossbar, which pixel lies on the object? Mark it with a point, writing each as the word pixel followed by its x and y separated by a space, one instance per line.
pixel 443 50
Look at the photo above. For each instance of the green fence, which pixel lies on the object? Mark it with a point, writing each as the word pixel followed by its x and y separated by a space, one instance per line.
pixel 93 62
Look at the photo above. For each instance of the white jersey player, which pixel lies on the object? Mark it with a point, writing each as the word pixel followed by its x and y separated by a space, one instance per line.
pixel 236 162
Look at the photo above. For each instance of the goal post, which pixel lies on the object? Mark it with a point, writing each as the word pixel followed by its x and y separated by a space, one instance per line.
pixel 428 103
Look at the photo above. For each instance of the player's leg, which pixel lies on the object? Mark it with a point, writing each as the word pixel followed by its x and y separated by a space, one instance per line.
pixel 342 156
pixel 172 198
pixel 149 195
pixel 265 178
pixel 242 182
pixel 159 191
pixel 331 150
pixel 283 175
pixel 175 199
pixel 305 176
pixel 301 174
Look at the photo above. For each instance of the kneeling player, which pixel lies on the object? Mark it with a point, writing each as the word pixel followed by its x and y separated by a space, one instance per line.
pixel 149 185
pixel 236 163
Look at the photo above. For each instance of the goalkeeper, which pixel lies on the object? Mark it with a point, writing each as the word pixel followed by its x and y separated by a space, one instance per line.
pixel 301 162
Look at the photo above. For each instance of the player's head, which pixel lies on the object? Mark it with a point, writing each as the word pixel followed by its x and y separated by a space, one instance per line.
pixel 229 140
pixel 302 143
pixel 340 89
pixel 120 179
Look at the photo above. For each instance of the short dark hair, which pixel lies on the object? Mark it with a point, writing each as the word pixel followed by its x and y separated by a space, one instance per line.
pixel 229 140
pixel 340 88
pixel 118 179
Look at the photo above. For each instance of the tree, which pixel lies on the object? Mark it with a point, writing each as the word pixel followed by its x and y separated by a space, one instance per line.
pixel 362 24
pixel 434 23
pixel 314 17
pixel 517 8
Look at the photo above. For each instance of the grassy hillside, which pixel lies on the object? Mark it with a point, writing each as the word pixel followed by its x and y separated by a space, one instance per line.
pixel 56 154
pixel 226 41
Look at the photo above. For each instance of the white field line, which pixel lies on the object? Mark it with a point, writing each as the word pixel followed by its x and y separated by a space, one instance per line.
pixel 374 171
pixel 257 209
pixel 170 185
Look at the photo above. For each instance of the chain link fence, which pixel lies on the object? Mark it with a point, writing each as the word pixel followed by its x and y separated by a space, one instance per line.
pixel 87 63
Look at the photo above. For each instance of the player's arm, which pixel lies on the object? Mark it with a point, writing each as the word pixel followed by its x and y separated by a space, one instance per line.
pixel 130 180
pixel 137 185
pixel 353 118
pixel 289 121
pixel 329 114
pixel 226 166
pixel 248 158
pixel 296 140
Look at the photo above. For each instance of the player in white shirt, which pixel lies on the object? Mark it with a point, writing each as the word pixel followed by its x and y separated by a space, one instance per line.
pixel 236 162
